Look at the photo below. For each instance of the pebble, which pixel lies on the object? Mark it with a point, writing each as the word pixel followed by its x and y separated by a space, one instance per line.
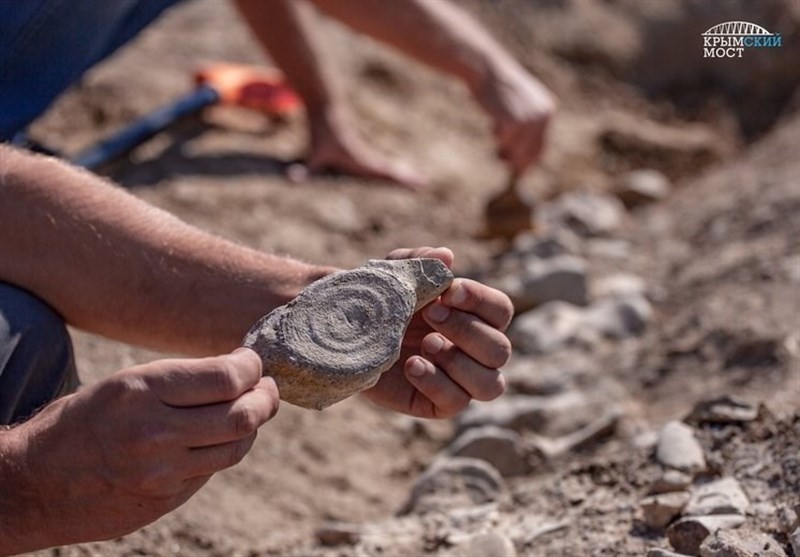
pixel 586 213
pixel 658 552
pixel 740 543
pixel 794 539
pixel 688 533
pixel 641 187
pixel 619 317
pixel 723 496
pixel 338 533
pixel 659 510
pixel 456 482
pixel 502 448
pixel 678 448
pixel 546 329
pixel 487 544
pixel 671 480
pixel 723 410
pixel 523 412
pixel 563 277
pixel 619 285
pixel 543 247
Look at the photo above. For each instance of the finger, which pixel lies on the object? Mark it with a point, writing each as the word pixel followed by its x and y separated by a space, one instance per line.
pixel 511 143
pixel 445 255
pixel 528 149
pixel 208 460
pixel 480 382
pixel 216 424
pixel 490 304
pixel 478 339
pixel 440 396
pixel 206 380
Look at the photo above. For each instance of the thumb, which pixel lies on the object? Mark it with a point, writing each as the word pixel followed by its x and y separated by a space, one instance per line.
pixel 445 255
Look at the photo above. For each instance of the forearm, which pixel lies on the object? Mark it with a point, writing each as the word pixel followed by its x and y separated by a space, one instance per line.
pixel 113 265
pixel 434 32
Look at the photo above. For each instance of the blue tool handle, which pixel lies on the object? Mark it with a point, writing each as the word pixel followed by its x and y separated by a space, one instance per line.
pixel 145 128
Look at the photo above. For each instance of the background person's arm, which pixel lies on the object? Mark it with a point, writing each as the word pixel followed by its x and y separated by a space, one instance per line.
pixel 114 265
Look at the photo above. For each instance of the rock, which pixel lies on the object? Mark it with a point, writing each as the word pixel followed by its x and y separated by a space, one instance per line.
pixel 794 540
pixel 547 328
pixel 502 448
pixel 586 213
pixel 659 510
pixel 539 281
pixel 671 480
pixel 338 533
pixel 522 412
pixel 619 285
pixel 688 533
pixel 619 317
pixel 543 247
pixel 723 496
pixel 658 552
pixel 343 331
pixel 606 248
pixel 678 448
pixel 740 543
pixel 487 544
pixel 641 187
pixel 723 410
pixel 526 375
pixel 787 519
pixel 455 483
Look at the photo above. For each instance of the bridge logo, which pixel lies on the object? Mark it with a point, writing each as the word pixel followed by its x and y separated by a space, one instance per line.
pixel 731 38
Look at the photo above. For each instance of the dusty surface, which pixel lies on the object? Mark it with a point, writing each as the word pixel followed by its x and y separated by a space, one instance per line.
pixel 719 257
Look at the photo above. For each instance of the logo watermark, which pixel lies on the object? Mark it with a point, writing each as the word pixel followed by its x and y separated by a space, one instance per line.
pixel 731 38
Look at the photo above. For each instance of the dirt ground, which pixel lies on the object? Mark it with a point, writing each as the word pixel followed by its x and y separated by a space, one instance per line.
pixel 720 257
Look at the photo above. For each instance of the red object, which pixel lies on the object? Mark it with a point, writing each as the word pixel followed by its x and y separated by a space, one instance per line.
pixel 262 89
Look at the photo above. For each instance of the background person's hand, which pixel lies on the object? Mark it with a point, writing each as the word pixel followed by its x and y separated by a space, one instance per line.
pixel 451 351
pixel 121 453
pixel 521 107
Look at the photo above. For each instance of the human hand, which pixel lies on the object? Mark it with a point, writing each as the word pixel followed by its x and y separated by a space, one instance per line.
pixel 119 454
pixel 521 107
pixel 451 351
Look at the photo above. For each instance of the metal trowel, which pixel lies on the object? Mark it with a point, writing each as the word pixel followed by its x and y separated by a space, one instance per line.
pixel 507 214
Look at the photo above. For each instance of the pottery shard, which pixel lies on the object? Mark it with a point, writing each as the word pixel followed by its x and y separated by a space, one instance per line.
pixel 343 331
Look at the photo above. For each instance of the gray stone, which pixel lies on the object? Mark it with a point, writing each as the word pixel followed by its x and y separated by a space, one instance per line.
pixel 586 213
pixel 502 448
pixel 658 552
pixel 641 187
pixel 723 496
pixel 547 328
pixel 659 510
pixel 521 412
pixel 453 483
pixel 619 285
pixel 687 534
pixel 619 317
pixel 487 544
pixel 562 277
pixel 678 448
pixel 740 543
pixel 787 519
pixel 543 247
pixel 671 480
pixel 339 533
pixel 723 410
pixel 794 540
pixel 343 331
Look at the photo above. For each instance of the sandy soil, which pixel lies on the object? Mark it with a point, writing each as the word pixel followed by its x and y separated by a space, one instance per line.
pixel 720 254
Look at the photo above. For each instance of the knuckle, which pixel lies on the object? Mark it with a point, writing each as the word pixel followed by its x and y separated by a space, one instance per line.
pixel 493 389
pixel 246 420
pixel 227 379
pixel 238 450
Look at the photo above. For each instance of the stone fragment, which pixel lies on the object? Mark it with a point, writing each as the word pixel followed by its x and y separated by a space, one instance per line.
pixel 671 480
pixel 502 448
pixel 562 277
pixel 740 543
pixel 658 552
pixel 586 213
pixel 641 187
pixel 455 483
pixel 343 331
pixel 619 317
pixel 723 496
pixel 688 533
pixel 722 410
pixel 339 533
pixel 543 247
pixel 678 448
pixel 522 412
pixel 547 328
pixel 487 544
pixel 787 519
pixel 619 285
pixel 794 540
pixel 659 510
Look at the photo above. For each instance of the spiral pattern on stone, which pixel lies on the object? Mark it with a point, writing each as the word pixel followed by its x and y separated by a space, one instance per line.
pixel 349 319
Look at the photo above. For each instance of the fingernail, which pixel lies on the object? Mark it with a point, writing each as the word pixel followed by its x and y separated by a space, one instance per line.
pixel 438 313
pixel 417 368
pixel 433 344
pixel 457 294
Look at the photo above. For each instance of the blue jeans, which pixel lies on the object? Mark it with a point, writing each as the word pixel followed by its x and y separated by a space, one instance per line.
pixel 46 45
pixel 36 359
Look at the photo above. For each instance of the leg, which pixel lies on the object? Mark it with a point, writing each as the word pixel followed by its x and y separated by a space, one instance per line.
pixel 36 360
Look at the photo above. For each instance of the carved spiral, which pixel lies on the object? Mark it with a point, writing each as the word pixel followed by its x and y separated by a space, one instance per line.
pixel 357 316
